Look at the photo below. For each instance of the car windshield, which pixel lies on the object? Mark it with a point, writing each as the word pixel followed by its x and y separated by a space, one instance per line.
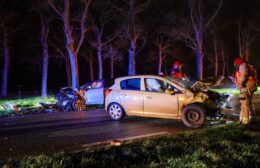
pixel 182 83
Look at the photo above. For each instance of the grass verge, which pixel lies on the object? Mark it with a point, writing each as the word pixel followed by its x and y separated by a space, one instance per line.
pixel 24 105
pixel 223 146
pixel 232 90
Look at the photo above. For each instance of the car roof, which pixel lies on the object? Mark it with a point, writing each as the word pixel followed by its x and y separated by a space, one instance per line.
pixel 118 80
pixel 137 76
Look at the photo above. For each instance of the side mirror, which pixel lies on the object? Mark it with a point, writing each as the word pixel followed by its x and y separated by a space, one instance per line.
pixel 169 91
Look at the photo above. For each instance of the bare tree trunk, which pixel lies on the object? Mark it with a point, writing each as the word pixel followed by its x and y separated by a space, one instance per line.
pixel 112 66
pixel 199 29
pixel 216 57
pixel 223 59
pixel 240 42
pixel 160 61
pixel 200 56
pixel 165 71
pixel 68 70
pixel 74 68
pixel 131 58
pixel 45 55
pixel 91 68
pixel 44 67
pixel 72 46
pixel 247 54
pixel 5 68
pixel 132 46
pixel 100 64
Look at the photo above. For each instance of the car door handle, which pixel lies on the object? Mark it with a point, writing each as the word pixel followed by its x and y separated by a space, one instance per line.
pixel 124 95
pixel 148 97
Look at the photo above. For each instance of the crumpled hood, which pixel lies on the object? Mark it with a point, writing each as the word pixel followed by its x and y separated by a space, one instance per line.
pixel 195 97
pixel 199 97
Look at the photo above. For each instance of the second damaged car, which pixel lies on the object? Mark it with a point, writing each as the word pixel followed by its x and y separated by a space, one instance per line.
pixel 91 93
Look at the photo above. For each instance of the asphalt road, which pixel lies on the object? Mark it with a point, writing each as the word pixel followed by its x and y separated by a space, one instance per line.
pixel 67 131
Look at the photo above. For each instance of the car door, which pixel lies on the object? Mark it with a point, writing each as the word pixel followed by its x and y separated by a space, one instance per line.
pixel 131 96
pixel 158 103
pixel 95 95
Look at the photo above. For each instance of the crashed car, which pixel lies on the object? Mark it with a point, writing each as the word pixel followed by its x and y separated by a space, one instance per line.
pixel 91 93
pixel 162 97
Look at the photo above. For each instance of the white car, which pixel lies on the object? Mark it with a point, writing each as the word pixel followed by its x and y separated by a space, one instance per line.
pixel 91 93
pixel 157 96
pixel 94 92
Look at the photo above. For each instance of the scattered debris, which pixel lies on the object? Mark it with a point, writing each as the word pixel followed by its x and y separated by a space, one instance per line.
pixel 116 142
pixel 9 106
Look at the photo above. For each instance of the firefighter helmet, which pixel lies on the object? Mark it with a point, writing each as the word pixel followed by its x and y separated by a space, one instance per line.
pixel 177 64
pixel 238 61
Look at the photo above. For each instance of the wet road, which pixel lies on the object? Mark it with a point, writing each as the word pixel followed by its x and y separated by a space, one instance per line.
pixel 66 131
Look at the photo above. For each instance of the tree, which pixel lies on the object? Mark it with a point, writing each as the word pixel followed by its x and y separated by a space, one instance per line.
pixel 112 53
pixel 162 45
pixel 88 56
pixel 132 30
pixel 193 34
pixel 7 28
pixel 100 20
pixel 6 59
pixel 60 53
pixel 216 32
pixel 43 10
pixel 200 25
pixel 247 34
pixel 74 39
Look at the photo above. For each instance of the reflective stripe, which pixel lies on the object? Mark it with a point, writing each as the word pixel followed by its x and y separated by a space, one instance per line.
pixel 245 120
pixel 251 79
pixel 238 77
pixel 178 75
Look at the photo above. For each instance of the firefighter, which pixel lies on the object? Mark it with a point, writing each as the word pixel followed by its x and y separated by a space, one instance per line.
pixel 177 70
pixel 246 81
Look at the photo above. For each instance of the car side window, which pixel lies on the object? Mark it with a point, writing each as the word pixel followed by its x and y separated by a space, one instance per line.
pixel 130 84
pixel 156 85
pixel 97 84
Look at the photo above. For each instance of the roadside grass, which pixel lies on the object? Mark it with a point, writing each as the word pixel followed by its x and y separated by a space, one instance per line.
pixel 231 90
pixel 231 145
pixel 27 104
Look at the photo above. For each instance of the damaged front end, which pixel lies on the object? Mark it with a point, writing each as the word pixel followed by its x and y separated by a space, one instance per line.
pixel 212 101
pixel 70 99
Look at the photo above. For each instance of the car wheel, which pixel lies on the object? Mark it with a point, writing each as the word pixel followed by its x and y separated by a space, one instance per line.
pixel 115 111
pixel 193 116
pixel 78 104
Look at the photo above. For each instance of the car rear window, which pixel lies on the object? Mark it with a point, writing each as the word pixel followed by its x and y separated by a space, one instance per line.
pixel 130 84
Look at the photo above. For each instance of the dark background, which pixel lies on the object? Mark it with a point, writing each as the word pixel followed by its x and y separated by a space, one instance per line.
pixel 25 48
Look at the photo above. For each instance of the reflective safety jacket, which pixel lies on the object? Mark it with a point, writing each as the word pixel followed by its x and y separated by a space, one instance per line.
pixel 178 75
pixel 246 74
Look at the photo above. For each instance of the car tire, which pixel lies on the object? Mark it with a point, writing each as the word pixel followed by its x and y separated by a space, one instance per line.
pixel 116 111
pixel 193 116
pixel 78 104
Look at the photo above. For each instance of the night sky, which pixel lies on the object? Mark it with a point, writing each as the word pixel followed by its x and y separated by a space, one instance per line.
pixel 25 47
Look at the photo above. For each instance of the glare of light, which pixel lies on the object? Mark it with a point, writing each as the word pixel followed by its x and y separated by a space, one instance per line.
pixel 181 98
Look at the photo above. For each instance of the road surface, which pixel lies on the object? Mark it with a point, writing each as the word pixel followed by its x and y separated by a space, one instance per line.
pixel 67 131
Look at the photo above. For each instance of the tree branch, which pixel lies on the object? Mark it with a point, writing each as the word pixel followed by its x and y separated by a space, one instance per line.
pixel 82 24
pixel 50 2
pixel 191 7
pixel 213 16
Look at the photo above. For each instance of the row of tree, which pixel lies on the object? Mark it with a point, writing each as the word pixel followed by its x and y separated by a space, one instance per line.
pixel 73 29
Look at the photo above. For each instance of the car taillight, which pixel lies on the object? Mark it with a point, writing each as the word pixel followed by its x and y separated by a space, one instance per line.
pixel 107 92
